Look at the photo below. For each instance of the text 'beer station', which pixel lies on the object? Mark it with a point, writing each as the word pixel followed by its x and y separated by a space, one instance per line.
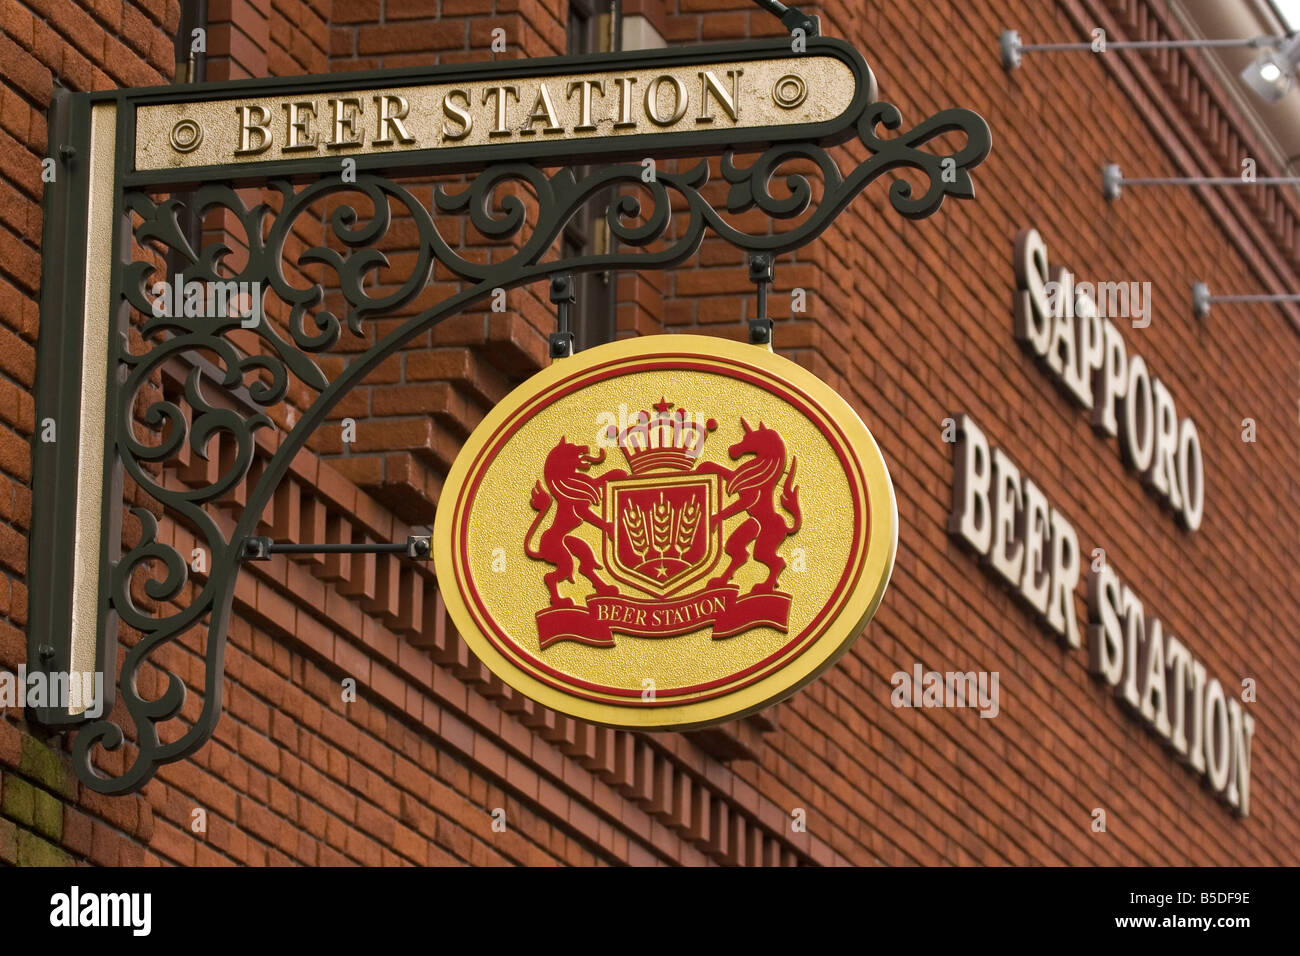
pixel 1027 543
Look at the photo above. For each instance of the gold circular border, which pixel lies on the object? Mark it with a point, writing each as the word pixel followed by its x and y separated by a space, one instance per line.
pixel 837 635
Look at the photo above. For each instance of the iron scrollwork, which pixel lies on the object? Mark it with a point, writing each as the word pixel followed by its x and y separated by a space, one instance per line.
pixel 648 234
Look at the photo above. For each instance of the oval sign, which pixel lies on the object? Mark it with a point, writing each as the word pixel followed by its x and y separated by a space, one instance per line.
pixel 665 532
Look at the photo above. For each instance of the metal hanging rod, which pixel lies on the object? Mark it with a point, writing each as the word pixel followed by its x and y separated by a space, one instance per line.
pixel 1113 181
pixel 761 271
pixel 261 548
pixel 563 295
pixel 1202 299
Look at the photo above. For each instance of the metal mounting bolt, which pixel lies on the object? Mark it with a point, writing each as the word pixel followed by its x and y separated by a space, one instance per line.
pixel 810 25
pixel 418 545
pixel 562 289
pixel 561 345
pixel 1009 43
pixel 1112 181
pixel 257 549
pixel 1201 300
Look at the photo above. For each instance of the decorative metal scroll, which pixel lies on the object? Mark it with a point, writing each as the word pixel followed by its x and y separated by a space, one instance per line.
pixel 648 234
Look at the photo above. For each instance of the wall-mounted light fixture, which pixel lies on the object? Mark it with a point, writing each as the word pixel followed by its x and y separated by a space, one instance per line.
pixel 1270 76
pixel 1202 300
pixel 1113 181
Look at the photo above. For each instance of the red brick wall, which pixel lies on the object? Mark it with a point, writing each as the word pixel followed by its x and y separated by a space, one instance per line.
pixel 910 321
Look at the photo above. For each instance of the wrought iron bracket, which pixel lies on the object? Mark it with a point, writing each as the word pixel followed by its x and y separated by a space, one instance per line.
pixel 95 280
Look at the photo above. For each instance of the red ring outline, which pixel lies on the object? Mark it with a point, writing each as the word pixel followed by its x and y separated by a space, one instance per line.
pixel 510 649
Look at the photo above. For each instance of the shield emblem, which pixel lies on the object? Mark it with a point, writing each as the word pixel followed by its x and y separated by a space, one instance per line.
pixel 663 539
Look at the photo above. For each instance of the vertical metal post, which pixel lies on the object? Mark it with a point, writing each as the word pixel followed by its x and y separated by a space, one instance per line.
pixel 563 295
pixel 760 273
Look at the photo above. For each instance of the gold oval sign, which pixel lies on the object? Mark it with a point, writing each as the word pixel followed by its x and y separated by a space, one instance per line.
pixel 665 532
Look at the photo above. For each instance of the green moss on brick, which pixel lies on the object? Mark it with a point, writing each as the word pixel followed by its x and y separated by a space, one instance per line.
pixel 44 765
pixel 18 800
pixel 33 851
pixel 48 815
pixel 8 842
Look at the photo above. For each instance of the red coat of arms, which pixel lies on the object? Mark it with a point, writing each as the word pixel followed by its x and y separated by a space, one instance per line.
pixel 662 525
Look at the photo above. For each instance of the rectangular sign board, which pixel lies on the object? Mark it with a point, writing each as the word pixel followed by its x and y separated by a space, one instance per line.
pixel 738 96
pixel 702 99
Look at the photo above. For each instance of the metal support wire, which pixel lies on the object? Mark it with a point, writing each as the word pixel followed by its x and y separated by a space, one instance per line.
pixel 1202 299
pixel 1013 49
pixel 1113 181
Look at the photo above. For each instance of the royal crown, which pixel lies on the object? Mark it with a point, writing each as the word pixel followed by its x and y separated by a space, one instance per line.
pixel 663 440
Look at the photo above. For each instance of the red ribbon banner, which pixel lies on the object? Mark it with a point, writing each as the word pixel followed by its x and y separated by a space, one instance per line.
pixel 722 608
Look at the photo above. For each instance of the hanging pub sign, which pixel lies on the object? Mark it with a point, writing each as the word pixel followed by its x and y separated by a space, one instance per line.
pixel 672 566
pixel 666 532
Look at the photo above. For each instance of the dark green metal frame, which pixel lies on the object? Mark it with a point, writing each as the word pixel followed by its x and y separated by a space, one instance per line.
pixel 57 397
pixel 313 331
pixel 661 145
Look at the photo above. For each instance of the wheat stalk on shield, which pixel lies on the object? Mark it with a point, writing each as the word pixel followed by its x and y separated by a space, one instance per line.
pixel 661 524
pixel 686 522
pixel 634 521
